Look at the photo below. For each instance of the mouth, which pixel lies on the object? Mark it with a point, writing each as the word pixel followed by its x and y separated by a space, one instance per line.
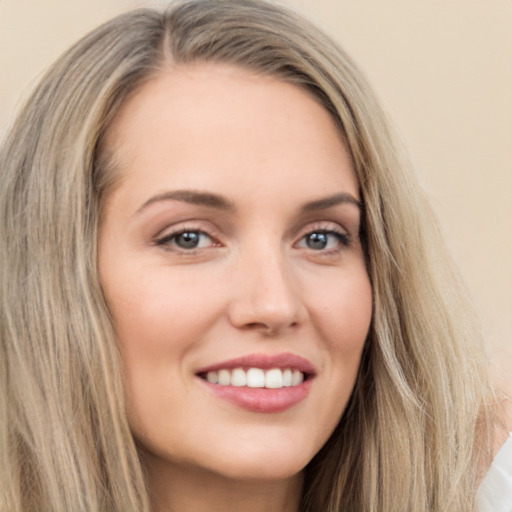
pixel 274 378
pixel 261 383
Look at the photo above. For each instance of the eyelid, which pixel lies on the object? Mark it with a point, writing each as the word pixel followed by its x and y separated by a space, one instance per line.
pixel 166 235
pixel 329 227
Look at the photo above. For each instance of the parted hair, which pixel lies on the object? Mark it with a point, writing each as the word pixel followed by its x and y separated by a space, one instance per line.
pixel 407 440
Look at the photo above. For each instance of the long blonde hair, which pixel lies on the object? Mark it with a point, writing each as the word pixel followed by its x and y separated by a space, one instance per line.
pixel 406 441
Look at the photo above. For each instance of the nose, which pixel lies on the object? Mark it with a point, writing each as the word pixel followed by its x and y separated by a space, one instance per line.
pixel 266 297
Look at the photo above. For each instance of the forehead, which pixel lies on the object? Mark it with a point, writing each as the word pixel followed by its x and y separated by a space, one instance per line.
pixel 219 123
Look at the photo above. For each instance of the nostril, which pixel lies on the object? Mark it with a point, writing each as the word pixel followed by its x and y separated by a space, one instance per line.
pixel 264 328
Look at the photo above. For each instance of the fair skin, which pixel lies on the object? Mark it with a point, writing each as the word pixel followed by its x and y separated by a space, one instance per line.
pixel 232 241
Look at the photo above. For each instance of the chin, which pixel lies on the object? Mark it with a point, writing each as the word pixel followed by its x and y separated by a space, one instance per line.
pixel 266 460
pixel 259 470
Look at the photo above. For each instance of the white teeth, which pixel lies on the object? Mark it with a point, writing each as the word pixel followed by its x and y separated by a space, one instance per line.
pixel 297 377
pixel 238 378
pixel 274 378
pixel 212 377
pixel 255 378
pixel 224 377
pixel 287 377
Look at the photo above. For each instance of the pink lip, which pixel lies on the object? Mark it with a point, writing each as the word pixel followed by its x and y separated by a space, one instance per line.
pixel 263 400
pixel 265 362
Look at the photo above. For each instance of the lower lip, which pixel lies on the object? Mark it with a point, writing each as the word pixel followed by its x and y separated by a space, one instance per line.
pixel 262 399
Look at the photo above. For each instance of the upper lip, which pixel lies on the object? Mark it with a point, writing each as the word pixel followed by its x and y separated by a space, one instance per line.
pixel 265 362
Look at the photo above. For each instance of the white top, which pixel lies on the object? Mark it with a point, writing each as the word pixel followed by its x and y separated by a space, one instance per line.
pixel 495 492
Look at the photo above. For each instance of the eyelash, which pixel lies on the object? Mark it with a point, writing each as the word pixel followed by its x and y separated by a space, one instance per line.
pixel 166 241
pixel 344 240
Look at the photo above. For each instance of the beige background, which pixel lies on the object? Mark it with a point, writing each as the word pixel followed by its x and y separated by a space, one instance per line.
pixel 443 69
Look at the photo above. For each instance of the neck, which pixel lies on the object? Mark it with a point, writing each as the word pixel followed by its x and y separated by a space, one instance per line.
pixel 187 489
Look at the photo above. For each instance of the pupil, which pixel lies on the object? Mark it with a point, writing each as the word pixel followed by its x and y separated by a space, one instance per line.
pixel 317 241
pixel 187 240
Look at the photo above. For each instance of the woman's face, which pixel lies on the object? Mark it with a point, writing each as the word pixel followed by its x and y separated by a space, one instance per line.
pixel 230 259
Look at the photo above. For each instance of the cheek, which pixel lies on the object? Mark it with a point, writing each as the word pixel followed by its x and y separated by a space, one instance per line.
pixel 342 311
pixel 154 311
pixel 161 319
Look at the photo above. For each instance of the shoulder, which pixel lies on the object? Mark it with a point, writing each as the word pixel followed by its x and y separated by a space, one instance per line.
pixel 495 492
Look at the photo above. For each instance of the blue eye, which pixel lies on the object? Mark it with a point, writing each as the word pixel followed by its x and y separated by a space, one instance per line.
pixel 187 240
pixel 322 240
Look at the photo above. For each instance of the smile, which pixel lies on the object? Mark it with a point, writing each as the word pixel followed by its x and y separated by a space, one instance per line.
pixel 274 378
pixel 259 382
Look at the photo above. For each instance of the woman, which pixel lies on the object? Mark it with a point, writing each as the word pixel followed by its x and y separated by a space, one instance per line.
pixel 221 287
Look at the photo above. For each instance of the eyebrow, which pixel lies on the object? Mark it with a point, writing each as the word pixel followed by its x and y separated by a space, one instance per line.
pixel 221 203
pixel 329 202
pixel 192 197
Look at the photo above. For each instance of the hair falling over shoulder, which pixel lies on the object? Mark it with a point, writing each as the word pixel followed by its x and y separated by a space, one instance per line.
pixel 412 433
